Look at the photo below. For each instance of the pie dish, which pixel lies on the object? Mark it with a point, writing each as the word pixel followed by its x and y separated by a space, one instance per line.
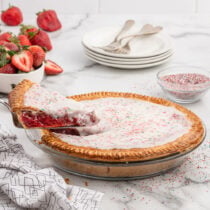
pixel 37 107
pixel 132 128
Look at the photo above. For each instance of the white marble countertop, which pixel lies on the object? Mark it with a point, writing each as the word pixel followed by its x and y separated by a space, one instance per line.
pixel 186 187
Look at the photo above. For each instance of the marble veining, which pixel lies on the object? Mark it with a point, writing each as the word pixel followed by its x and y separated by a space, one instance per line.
pixel 185 188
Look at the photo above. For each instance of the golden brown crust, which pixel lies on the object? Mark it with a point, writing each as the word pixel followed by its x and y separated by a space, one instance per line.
pixel 180 145
pixel 16 96
pixel 16 99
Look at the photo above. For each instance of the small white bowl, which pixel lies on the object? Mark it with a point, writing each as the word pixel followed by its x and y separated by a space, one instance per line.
pixel 8 81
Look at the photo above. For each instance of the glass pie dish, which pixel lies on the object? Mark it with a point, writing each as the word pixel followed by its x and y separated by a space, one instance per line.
pixel 108 170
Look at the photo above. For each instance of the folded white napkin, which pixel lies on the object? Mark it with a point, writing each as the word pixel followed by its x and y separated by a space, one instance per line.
pixel 23 184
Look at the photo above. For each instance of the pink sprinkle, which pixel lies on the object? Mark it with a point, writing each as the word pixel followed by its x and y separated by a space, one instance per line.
pixel 185 82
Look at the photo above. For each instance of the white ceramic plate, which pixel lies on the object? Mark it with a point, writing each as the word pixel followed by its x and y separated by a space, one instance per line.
pixel 147 46
pixel 127 59
pixel 130 66
pixel 133 61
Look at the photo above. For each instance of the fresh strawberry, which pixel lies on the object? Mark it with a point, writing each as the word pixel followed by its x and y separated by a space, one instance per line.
pixel 24 41
pixel 36 36
pixel 48 20
pixel 38 55
pixel 28 30
pixel 8 69
pixel 12 16
pixel 51 68
pixel 6 36
pixel 10 45
pixel 23 61
pixel 42 39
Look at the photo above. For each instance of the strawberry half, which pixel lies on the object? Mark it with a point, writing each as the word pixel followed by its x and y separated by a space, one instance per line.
pixel 23 61
pixel 12 16
pixel 51 68
pixel 38 55
pixel 42 39
pixel 8 69
pixel 48 20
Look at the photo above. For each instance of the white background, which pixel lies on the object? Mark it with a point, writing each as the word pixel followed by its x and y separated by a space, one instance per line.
pixel 111 6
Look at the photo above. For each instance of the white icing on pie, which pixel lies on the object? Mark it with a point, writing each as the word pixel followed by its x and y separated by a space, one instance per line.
pixel 131 123
pixel 53 103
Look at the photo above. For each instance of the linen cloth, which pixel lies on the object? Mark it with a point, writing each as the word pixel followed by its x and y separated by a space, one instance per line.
pixel 24 185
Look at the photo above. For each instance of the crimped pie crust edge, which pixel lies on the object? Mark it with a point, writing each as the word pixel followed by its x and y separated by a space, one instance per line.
pixel 16 99
pixel 182 144
pixel 16 96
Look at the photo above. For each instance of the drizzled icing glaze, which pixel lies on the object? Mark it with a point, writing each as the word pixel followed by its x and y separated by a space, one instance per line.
pixel 130 123
pixel 51 102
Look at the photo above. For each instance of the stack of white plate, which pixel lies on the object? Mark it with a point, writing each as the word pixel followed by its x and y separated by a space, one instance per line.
pixel 146 51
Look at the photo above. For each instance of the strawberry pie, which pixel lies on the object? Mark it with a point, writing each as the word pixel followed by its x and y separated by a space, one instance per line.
pixel 36 107
pixel 132 128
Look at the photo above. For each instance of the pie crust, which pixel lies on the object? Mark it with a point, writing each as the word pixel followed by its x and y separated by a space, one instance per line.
pixel 16 97
pixel 182 144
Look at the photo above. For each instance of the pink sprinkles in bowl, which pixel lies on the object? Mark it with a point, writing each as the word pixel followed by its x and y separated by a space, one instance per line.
pixel 185 82
pixel 185 87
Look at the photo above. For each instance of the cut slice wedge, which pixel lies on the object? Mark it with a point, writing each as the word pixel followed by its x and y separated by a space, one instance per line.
pixel 37 107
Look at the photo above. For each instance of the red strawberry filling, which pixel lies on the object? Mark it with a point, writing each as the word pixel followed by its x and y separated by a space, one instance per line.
pixel 67 131
pixel 41 119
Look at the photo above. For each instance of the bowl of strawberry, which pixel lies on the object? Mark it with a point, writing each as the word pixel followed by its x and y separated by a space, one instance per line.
pixel 18 65
pixel 19 60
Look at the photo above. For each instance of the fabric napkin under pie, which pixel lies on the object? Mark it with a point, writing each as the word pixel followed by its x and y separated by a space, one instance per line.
pixel 24 185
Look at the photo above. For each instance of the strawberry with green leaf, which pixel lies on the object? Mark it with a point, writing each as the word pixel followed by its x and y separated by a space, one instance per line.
pixel 10 45
pixel 36 36
pixel 28 30
pixel 42 39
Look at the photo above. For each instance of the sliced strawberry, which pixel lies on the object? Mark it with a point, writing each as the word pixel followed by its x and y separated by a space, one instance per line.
pixel 8 69
pixel 42 39
pixel 51 68
pixel 24 41
pixel 12 16
pixel 6 36
pixel 38 55
pixel 23 61
pixel 48 20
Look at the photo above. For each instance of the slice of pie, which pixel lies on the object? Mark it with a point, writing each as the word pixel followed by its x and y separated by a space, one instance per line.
pixel 139 128
pixel 37 107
